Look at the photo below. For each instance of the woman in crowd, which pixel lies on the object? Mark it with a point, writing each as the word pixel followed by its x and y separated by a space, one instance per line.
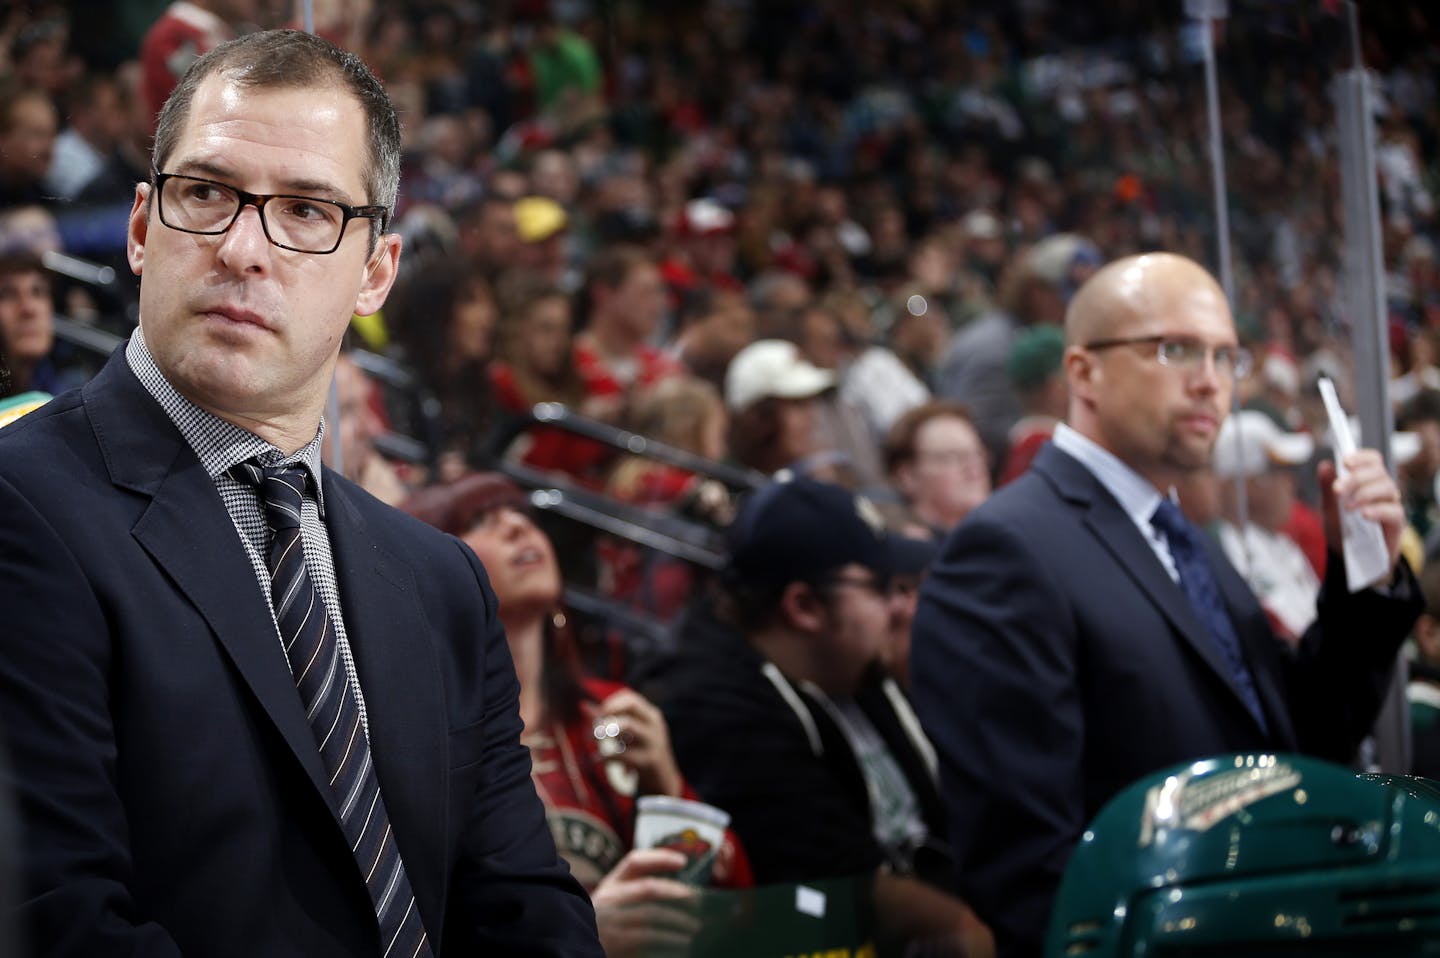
pixel 443 316
pixel 938 464
pixel 588 783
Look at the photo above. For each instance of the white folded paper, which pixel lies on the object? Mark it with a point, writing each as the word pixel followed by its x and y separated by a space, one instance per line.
pixel 1367 559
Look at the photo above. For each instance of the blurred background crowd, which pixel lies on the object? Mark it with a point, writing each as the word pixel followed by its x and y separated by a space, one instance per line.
pixel 605 202
pixel 732 237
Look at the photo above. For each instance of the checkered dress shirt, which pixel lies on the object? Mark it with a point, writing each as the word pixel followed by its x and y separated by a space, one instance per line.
pixel 221 445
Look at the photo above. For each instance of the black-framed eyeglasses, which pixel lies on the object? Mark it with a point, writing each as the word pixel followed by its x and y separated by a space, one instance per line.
pixel 303 224
pixel 1187 353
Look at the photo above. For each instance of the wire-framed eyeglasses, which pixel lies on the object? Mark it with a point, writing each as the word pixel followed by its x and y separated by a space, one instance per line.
pixel 1187 353
pixel 303 224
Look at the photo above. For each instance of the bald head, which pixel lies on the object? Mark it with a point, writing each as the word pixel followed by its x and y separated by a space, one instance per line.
pixel 1121 295
pixel 1150 359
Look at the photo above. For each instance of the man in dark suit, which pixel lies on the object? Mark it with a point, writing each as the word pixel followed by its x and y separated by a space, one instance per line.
pixel 251 710
pixel 1077 633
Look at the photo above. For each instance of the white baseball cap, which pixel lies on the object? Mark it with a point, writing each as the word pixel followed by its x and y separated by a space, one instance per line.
pixel 772 367
pixel 705 217
pixel 1250 444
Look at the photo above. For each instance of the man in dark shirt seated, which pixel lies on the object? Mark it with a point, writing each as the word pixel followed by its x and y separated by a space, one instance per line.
pixel 780 713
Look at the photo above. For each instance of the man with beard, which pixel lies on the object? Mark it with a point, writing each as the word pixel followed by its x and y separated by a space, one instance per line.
pixel 1077 633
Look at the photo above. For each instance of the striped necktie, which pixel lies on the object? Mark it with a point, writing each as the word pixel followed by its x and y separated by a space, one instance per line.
pixel 1197 581
pixel 333 711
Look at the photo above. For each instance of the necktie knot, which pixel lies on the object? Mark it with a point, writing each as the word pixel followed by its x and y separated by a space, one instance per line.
pixel 281 489
pixel 1170 522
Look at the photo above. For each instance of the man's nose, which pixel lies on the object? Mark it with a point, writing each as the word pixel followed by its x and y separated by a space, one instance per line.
pixel 1205 376
pixel 244 247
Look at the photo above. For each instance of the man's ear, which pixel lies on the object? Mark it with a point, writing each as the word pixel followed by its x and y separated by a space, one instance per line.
pixel 381 269
pixel 138 228
pixel 1081 372
pixel 802 607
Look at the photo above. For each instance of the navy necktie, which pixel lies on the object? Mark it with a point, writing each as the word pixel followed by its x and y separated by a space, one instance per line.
pixel 333 710
pixel 1198 583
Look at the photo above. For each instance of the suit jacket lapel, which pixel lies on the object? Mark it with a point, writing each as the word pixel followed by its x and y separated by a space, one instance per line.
pixel 401 677
pixel 189 534
pixel 1116 533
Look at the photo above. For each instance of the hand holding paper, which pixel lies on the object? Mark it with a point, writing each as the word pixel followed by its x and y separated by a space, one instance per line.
pixel 1367 517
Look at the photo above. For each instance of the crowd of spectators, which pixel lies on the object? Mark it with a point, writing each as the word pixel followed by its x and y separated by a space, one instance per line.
pixel 600 195
pixel 830 237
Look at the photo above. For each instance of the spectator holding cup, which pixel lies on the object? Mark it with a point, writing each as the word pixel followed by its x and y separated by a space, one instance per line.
pixel 596 746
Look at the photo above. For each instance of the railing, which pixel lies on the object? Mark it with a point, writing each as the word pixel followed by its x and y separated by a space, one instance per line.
pixel 561 416
pixel 681 538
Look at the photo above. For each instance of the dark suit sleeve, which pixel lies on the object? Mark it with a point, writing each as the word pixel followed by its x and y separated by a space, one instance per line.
pixel 1345 662
pixel 513 895
pixel 55 659
pixel 993 666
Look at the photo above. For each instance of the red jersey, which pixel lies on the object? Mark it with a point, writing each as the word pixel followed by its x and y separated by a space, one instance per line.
pixel 646 580
pixel 548 448
pixel 173 42
pixel 590 800
pixel 650 367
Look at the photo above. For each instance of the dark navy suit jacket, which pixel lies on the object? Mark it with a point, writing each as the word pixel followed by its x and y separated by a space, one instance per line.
pixel 1054 662
pixel 173 798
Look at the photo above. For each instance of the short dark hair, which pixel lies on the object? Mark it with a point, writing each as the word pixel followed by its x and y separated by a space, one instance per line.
pixel 21 264
pixel 289 59
pixel 1424 406
pixel 36 34
pixel 612 265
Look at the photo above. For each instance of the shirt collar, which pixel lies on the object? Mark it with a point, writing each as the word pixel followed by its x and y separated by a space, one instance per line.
pixel 220 445
pixel 1136 495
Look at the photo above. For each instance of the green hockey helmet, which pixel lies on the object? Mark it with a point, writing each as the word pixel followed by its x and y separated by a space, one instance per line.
pixel 1256 855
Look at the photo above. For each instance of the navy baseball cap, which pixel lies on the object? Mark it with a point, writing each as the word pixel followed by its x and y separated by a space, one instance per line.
pixel 798 529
